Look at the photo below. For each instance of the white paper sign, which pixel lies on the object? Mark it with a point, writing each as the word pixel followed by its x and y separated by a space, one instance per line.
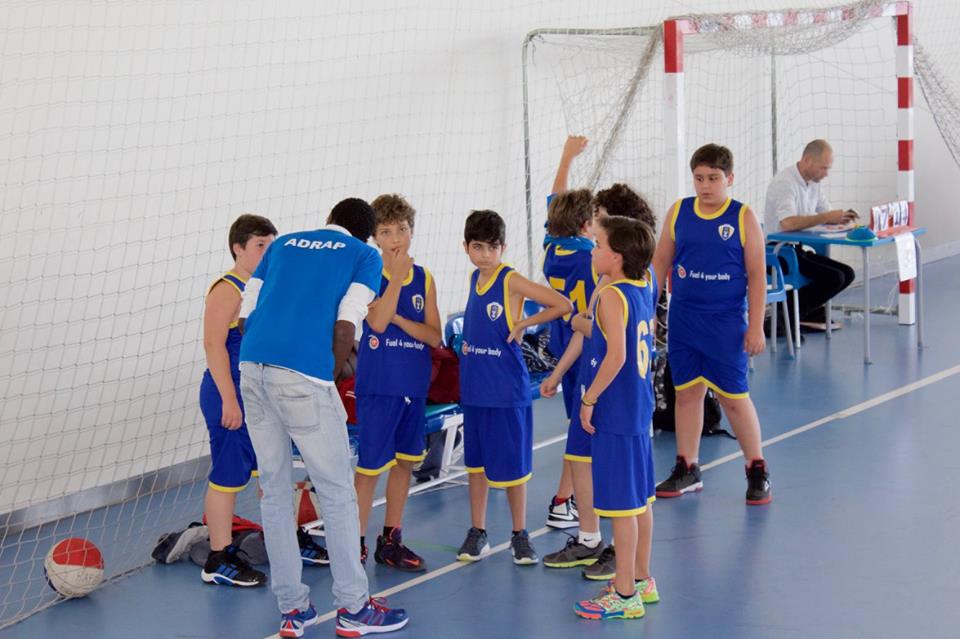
pixel 906 256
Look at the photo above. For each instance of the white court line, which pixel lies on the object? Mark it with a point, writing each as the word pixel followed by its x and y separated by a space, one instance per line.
pixel 842 414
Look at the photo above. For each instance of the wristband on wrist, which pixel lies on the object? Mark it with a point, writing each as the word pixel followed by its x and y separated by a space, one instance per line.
pixel 586 402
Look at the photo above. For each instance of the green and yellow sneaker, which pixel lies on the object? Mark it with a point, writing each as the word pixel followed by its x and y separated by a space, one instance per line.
pixel 610 605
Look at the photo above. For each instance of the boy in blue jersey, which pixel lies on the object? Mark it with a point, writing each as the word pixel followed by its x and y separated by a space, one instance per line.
pixel 495 384
pixel 393 375
pixel 713 248
pixel 616 409
pixel 303 305
pixel 233 462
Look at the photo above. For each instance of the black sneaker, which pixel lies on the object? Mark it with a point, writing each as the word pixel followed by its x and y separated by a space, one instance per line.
pixel 684 478
pixel 363 553
pixel 573 554
pixel 391 551
pixel 172 546
pixel 311 553
pixel 522 550
pixel 758 483
pixel 563 515
pixel 605 568
pixel 227 568
pixel 475 546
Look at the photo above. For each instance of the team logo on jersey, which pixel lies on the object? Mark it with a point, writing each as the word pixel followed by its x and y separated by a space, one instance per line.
pixel 464 348
pixel 681 272
pixel 726 231
pixel 417 302
pixel 373 342
pixel 494 311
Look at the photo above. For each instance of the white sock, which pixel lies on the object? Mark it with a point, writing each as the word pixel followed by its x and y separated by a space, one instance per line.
pixel 589 539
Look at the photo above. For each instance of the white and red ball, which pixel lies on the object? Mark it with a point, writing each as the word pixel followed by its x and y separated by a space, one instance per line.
pixel 74 567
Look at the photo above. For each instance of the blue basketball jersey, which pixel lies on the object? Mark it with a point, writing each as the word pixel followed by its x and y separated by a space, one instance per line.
pixel 569 271
pixel 394 363
pixel 626 406
pixel 709 272
pixel 492 372
pixel 234 336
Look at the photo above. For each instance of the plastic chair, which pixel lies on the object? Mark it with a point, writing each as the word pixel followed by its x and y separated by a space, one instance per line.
pixel 777 294
pixel 793 282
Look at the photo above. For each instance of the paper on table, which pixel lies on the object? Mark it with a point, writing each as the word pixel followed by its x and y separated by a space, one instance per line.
pixel 831 228
pixel 906 256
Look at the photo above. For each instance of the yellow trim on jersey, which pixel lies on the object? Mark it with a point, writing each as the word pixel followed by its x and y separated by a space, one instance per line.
pixel 427 280
pixel 743 230
pixel 234 324
pixel 626 312
pixel 254 473
pixel 710 216
pixel 223 278
pixel 373 472
pixel 226 489
pixel 406 281
pixel 706 382
pixel 673 215
pixel 412 458
pixel 593 271
pixel 577 458
pixel 506 301
pixel 474 470
pixel 482 290
pixel 512 482
pixel 559 252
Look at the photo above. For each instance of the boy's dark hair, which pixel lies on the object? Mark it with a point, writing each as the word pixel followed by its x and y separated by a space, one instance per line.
pixel 568 212
pixel 355 215
pixel 247 226
pixel 485 226
pixel 633 240
pixel 392 208
pixel 621 200
pixel 714 156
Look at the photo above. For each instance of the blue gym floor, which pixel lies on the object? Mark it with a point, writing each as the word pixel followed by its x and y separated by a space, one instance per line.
pixel 860 540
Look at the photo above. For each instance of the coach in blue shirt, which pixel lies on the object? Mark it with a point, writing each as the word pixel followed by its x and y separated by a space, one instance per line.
pixel 299 316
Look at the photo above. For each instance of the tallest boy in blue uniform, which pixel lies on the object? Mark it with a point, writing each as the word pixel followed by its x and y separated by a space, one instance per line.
pixel 303 305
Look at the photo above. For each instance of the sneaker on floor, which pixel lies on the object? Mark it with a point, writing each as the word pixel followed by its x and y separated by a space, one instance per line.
pixel 172 546
pixel 758 483
pixel 393 553
pixel 563 515
pixel 605 568
pixel 574 554
pixel 475 546
pixel 311 553
pixel 684 478
pixel 522 550
pixel 646 587
pixel 374 617
pixel 610 605
pixel 227 568
pixel 293 623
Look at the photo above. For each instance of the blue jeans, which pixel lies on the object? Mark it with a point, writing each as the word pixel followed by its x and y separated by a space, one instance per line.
pixel 281 404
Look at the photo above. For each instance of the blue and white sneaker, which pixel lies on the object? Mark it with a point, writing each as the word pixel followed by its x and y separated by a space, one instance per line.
pixel 293 623
pixel 227 567
pixel 374 617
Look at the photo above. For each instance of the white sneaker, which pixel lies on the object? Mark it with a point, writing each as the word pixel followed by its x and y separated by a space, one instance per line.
pixel 563 515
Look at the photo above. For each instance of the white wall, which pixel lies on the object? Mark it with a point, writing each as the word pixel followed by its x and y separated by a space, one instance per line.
pixel 131 135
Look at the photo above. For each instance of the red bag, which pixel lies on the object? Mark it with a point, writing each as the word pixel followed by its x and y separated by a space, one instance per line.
pixel 444 376
pixel 349 399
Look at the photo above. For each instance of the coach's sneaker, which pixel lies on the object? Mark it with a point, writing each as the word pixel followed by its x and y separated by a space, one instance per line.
pixel 227 568
pixel 522 550
pixel 684 478
pixel 564 514
pixel 475 546
pixel 391 551
pixel 311 553
pixel 293 623
pixel 758 483
pixel 610 605
pixel 605 568
pixel 374 617
pixel 574 554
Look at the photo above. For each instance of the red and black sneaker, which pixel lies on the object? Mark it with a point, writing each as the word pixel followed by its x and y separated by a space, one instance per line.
pixel 758 483
pixel 684 478
pixel 391 551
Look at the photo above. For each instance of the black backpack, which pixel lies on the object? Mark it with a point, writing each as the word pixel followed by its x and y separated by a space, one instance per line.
pixel 666 396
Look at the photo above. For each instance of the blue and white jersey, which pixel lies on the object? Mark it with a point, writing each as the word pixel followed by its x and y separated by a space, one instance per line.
pixel 394 363
pixel 709 272
pixel 305 275
pixel 626 406
pixel 492 372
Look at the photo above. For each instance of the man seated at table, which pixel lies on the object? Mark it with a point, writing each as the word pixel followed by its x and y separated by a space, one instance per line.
pixel 795 202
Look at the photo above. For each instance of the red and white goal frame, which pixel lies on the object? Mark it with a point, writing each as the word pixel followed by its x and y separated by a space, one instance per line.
pixel 674 32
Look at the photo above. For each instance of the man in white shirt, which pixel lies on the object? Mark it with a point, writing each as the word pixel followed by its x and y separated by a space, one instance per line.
pixel 795 202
